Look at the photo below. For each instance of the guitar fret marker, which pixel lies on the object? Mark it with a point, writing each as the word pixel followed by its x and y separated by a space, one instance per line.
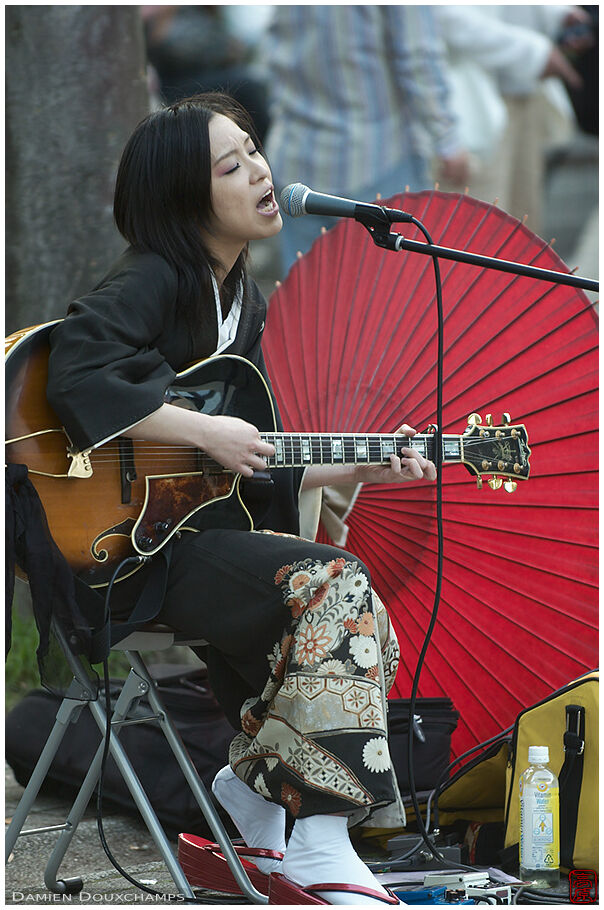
pixel 388 448
pixel 361 450
pixel 279 451
pixel 451 447
pixel 419 445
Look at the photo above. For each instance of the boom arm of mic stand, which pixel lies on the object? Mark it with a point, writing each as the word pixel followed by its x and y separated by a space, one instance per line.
pixel 397 242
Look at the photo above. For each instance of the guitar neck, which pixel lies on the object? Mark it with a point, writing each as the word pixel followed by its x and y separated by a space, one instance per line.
pixel 293 450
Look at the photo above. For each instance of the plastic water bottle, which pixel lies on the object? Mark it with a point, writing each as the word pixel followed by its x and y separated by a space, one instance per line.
pixel 539 821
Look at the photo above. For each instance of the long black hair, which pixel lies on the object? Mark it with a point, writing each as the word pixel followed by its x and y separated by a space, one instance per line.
pixel 163 195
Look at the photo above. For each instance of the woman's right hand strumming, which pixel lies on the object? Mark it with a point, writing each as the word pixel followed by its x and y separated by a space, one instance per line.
pixel 232 442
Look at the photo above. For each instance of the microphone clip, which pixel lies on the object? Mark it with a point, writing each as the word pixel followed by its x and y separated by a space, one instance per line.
pixel 378 219
pixel 375 219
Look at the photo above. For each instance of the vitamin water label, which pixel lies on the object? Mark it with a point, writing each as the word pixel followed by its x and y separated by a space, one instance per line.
pixel 539 826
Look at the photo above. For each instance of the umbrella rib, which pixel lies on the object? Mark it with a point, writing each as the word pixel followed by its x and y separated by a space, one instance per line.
pixel 528 534
pixel 445 280
pixel 471 690
pixel 495 640
pixel 480 574
pixel 405 517
pixel 359 263
pixel 484 378
pixel 488 342
pixel 524 385
pixel 393 327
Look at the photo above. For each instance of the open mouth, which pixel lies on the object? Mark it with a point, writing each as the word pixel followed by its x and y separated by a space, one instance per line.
pixel 268 204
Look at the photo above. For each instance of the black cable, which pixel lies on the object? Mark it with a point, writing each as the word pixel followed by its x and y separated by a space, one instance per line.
pixel 482 745
pixel 381 237
pixel 181 897
pixel 108 710
pixel 444 777
pixel 440 542
pixel 535 896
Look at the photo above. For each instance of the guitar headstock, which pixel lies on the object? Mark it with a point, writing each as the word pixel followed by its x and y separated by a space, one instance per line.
pixel 501 451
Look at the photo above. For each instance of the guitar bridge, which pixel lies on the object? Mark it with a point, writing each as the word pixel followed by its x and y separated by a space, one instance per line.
pixel 80 463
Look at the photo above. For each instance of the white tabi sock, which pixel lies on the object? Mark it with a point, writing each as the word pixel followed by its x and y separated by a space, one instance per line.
pixel 260 822
pixel 319 850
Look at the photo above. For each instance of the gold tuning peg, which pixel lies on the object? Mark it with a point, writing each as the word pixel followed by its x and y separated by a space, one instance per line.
pixel 489 420
pixel 506 419
pixel 509 486
pixel 495 483
pixel 474 419
pixel 479 483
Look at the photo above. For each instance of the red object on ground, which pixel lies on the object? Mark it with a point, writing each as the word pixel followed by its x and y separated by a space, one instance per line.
pixel 351 346
pixel 282 891
pixel 205 867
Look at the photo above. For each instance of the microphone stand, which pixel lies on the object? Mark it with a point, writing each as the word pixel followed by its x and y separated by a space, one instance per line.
pixel 379 228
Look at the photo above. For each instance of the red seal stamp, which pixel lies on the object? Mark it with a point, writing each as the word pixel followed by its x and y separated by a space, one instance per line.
pixel 583 886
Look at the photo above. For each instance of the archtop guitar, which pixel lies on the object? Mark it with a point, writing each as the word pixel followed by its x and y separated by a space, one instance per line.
pixel 124 496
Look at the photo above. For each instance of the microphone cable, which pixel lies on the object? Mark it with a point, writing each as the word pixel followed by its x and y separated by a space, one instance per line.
pixel 440 542
pixel 380 235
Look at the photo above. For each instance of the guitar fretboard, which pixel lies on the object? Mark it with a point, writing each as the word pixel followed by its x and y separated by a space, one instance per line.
pixel 294 450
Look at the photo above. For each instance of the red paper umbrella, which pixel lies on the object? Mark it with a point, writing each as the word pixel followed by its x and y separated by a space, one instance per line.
pixel 351 344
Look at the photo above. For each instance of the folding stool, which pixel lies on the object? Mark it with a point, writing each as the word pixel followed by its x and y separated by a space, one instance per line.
pixel 79 697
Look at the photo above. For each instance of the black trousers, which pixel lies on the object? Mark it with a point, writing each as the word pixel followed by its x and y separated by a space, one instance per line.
pixel 221 587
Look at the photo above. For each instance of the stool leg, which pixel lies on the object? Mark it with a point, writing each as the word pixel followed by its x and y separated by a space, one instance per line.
pixel 196 784
pixel 72 821
pixel 130 691
pixel 67 708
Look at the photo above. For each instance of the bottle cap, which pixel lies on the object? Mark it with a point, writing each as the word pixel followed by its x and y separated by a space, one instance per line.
pixel 538 755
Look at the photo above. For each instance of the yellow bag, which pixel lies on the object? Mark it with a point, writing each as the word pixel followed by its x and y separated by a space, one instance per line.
pixel 566 722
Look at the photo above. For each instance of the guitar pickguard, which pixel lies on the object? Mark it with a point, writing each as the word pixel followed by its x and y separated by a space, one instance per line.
pixel 172 500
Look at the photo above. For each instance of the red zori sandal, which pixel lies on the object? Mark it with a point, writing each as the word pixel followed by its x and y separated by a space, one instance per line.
pixel 205 866
pixel 282 891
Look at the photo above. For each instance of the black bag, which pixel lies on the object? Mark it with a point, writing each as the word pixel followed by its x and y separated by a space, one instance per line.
pixel 437 720
pixel 196 715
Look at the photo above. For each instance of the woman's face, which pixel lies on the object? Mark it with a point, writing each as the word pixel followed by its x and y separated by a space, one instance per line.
pixel 243 197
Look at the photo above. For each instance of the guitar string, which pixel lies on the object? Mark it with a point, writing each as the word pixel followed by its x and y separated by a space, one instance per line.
pixel 318 439
pixel 159 453
pixel 316 442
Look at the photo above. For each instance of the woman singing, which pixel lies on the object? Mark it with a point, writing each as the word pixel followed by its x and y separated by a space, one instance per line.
pixel 292 625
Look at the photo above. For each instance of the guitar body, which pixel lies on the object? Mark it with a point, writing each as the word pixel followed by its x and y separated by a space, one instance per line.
pixel 126 496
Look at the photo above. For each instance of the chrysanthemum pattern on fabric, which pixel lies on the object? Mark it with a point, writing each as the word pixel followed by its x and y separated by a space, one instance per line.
pixel 316 739
pixel 376 756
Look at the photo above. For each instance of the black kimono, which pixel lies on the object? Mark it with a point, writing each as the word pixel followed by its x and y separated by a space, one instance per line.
pixel 301 650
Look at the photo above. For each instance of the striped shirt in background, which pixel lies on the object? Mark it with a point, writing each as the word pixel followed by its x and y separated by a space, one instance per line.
pixel 354 91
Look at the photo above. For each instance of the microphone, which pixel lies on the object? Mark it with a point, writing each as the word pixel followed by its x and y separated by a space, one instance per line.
pixel 297 199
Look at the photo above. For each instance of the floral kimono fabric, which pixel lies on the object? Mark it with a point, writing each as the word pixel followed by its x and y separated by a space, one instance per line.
pixel 303 618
